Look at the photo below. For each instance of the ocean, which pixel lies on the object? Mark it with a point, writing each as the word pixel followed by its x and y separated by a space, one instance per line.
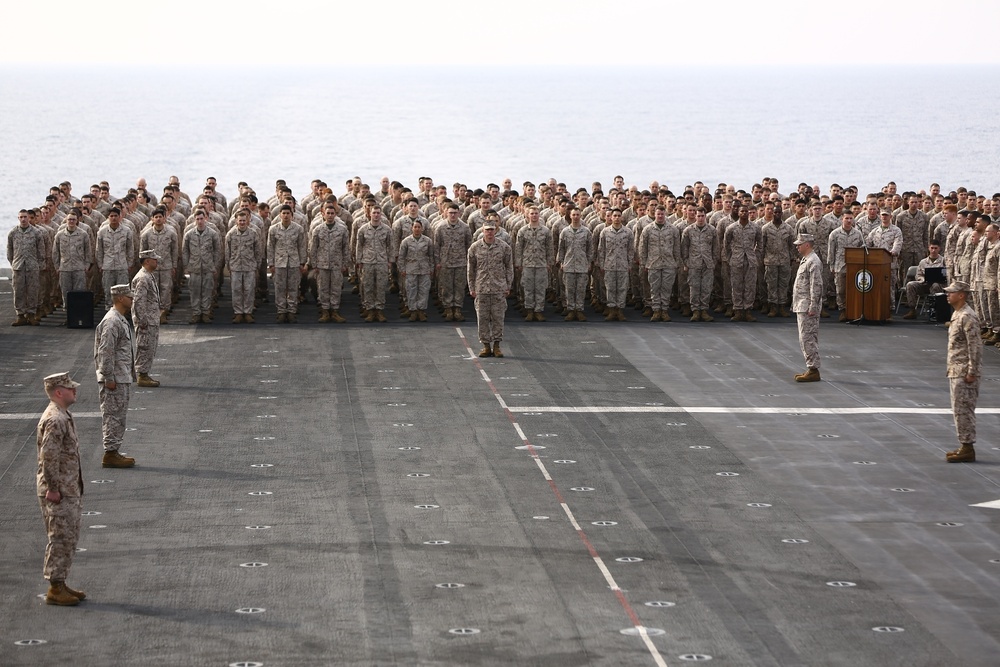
pixel 861 126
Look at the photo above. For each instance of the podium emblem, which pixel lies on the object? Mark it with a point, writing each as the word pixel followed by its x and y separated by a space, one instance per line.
pixel 864 281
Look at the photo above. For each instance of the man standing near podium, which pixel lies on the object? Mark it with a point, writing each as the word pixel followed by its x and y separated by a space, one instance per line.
pixel 888 237
pixel 807 303
pixel 965 367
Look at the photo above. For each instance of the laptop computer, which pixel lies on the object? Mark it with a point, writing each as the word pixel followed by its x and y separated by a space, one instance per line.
pixel 935 274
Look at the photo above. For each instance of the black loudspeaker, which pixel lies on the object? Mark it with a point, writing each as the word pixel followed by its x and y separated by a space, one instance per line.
pixel 942 309
pixel 80 310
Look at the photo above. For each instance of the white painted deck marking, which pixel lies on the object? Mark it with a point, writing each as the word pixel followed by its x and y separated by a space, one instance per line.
pixel 723 410
pixel 992 504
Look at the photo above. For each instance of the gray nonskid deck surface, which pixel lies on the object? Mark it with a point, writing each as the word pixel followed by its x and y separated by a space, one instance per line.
pixel 354 567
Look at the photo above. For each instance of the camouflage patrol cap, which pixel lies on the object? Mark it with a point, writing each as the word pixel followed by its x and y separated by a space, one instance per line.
pixel 805 238
pixel 60 380
pixel 886 211
pixel 958 286
pixel 148 254
pixel 489 224
pixel 121 290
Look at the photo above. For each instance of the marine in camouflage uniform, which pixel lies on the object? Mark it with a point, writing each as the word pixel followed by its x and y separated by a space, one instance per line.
pixel 26 255
pixel 452 240
pixel 699 255
pixel 615 256
pixel 964 369
pixel 490 275
pixel 739 248
pixel 244 254
pixel 913 224
pixel 114 360
pixel 374 255
pixel 287 259
pixel 534 254
pixel 807 303
pixel 888 237
pixel 72 255
pixel 843 237
pixel 59 484
pixel 416 261
pixel 146 316
pixel 330 255
pixel 777 239
pixel 202 255
pixel 575 256
pixel 116 249
pixel 659 256
pixel 162 239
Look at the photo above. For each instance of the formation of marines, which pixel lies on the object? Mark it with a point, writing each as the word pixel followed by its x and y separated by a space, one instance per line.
pixel 700 251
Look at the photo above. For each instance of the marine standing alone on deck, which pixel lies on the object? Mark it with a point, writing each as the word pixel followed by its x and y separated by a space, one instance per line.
pixel 59 484
pixel 114 359
pixel 965 367
pixel 491 274
pixel 807 303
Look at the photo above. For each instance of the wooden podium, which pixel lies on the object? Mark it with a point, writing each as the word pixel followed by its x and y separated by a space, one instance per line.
pixel 868 284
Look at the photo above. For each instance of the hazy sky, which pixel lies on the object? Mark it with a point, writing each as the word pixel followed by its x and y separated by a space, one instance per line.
pixel 515 32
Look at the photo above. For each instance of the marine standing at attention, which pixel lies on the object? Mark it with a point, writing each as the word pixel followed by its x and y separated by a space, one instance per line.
pixel 490 276
pixel 807 303
pixel 146 303
pixel 59 484
pixel 114 359
pixel 965 367
pixel 26 254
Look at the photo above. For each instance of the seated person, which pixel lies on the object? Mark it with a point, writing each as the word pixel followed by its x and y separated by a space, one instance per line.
pixel 919 287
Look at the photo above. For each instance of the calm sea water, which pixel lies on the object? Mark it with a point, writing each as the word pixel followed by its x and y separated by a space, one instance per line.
pixel 819 125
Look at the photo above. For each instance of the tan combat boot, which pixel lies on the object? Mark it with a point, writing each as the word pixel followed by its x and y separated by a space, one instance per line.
pixel 422 314
pixel 379 316
pixel 113 459
pixel 748 316
pixel 657 316
pixel 910 315
pixel 696 316
pixel 612 315
pixel 685 311
pixel 965 454
pixel 705 317
pixel 248 318
pixel 324 315
pixel 487 351
pixel 79 595
pixel 21 321
pixel 370 316
pixel 206 318
pixel 773 312
pixel 414 316
pixel 737 316
pixel 459 317
pixel 811 375
pixel 580 317
pixel 530 317
pixel 58 594
pixel 146 381
pixel 335 316
pixel 496 349
pixel 238 318
pixel 665 316
pixel 539 316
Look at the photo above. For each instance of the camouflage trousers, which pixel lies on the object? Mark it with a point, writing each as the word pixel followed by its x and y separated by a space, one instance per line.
pixel 114 410
pixel 62 524
pixel 616 287
pixel 840 282
pixel 26 283
pixel 743 280
pixel 963 405
pixel 993 304
pixel 418 290
pixel 809 339
pixel 777 276
pixel 683 288
pixel 700 280
pixel 165 285
pixel 329 284
pixel 72 281
pixel 201 287
pixel 534 281
pixel 109 279
pixel 575 286
pixel 241 284
pixel 451 286
pixel 374 283
pixel 286 289
pixel 146 341
pixel 490 309
pixel 661 286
